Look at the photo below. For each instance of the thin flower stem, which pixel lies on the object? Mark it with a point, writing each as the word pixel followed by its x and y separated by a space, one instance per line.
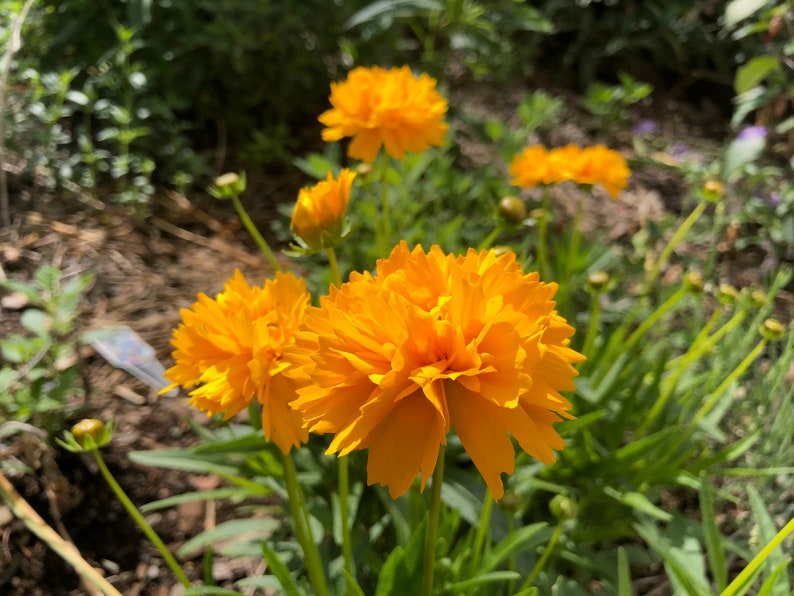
pixel 432 526
pixel 543 266
pixel 719 214
pixel 674 241
pixel 543 558
pixel 344 513
pixel 573 246
pixel 654 317
pixel 592 329
pixel 140 520
pixel 334 264
pixel 482 530
pixel 300 518
pixel 490 238
pixel 254 232
pixel 385 238
pixel 748 571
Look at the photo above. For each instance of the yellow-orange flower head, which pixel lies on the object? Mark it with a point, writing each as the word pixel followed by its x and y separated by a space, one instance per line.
pixel 319 212
pixel 536 165
pixel 228 351
pixel 390 108
pixel 434 342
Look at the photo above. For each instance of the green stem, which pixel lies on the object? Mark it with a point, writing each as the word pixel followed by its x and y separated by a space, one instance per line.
pixel 654 317
pixel 674 241
pixel 251 228
pixel 482 530
pixel 748 571
pixel 573 246
pixel 344 514
pixel 300 519
pixel 489 239
pixel 334 264
pixel 543 558
pixel 543 266
pixel 140 520
pixel 592 329
pixel 385 237
pixel 432 526
pixel 719 213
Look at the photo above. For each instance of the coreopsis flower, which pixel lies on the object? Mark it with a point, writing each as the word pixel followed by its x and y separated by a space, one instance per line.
pixel 318 216
pixel 530 167
pixel 389 108
pixel 600 165
pixel 434 343
pixel 229 351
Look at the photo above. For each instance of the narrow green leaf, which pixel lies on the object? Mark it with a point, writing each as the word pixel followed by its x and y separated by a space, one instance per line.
pixel 754 72
pixel 624 573
pixel 683 564
pixel 209 591
pixel 279 569
pixel 230 529
pixel 205 495
pixel 738 10
pixel 512 543
pixel 712 536
pixel 766 532
pixel 768 587
pixel 638 502
pixel 486 578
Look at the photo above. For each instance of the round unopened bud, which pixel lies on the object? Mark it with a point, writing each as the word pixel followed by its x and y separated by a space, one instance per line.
pixel 510 501
pixel 228 185
pixel 773 330
pixel 727 294
pixel 364 168
pixel 512 209
pixel 713 190
pixel 758 297
pixel 88 427
pixel 563 507
pixel 694 281
pixel 502 250
pixel 597 281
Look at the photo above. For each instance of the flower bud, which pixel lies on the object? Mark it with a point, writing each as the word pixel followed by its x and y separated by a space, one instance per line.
pixel 563 507
pixel 228 185
pixel 90 433
pixel 694 281
pixel 512 209
pixel 713 190
pixel 758 297
pixel 727 294
pixel 318 216
pixel 597 281
pixel 502 250
pixel 773 330
pixel 364 168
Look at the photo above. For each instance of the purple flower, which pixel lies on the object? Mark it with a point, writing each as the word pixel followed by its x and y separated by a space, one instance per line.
pixel 645 127
pixel 752 132
pixel 680 150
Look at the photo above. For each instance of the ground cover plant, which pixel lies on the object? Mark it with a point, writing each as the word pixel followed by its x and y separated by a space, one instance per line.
pixel 447 377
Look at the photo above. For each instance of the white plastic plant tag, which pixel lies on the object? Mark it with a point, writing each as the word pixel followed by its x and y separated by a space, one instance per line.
pixel 125 349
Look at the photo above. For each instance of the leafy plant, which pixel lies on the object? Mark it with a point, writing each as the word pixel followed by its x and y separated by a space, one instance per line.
pixel 39 378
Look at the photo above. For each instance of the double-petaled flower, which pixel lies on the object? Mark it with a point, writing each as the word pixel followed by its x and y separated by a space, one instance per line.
pixel 434 343
pixel 229 351
pixel 385 108
pixel 318 216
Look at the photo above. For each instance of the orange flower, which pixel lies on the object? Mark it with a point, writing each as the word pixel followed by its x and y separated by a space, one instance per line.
pixel 435 342
pixel 599 165
pixel 390 108
pixel 229 351
pixel 530 167
pixel 320 210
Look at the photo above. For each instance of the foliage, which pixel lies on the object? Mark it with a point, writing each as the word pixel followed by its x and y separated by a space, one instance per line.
pixel 39 378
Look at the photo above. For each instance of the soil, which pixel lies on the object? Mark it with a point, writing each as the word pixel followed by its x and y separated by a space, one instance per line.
pixel 145 271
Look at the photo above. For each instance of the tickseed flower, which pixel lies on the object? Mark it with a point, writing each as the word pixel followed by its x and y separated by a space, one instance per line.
pixel 228 351
pixel 390 108
pixel 434 342
pixel 318 216
pixel 587 166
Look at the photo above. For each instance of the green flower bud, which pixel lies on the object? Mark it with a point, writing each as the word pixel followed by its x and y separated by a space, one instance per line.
pixel 512 209
pixel 597 281
pixel 228 185
pixel 727 294
pixel 773 330
pixel 86 435
pixel 713 190
pixel 758 297
pixel 563 507
pixel 694 281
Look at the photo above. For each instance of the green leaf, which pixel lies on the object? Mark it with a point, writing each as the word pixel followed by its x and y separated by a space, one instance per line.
pixel 401 572
pixel 638 502
pixel 513 542
pixel 486 578
pixel 768 587
pixel 738 10
pixel 766 532
pixel 36 321
pixel 205 495
pixel 740 153
pixel 393 9
pixel 241 528
pixel 754 72
pixel 280 570
pixel 711 534
pixel 683 562
pixel 624 573
pixel 209 591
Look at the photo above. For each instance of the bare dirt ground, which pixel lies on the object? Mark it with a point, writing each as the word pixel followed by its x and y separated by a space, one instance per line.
pixel 145 271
